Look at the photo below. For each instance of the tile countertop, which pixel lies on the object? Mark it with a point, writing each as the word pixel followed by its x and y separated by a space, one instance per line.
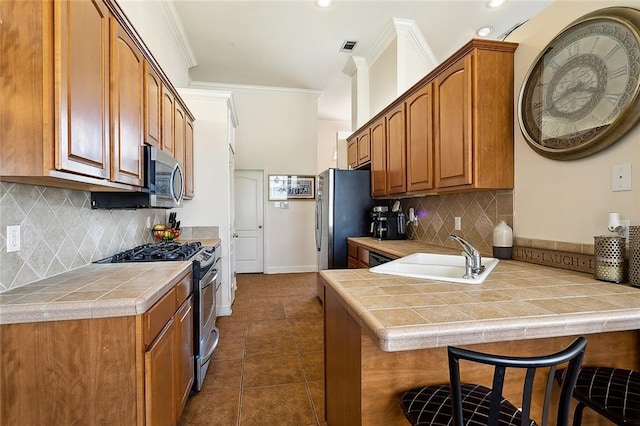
pixel 517 301
pixel 93 291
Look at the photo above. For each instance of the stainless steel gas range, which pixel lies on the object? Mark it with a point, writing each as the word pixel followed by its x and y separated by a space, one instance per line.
pixel 206 282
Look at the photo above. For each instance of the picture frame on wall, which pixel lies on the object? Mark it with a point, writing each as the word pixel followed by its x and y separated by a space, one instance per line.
pixel 291 187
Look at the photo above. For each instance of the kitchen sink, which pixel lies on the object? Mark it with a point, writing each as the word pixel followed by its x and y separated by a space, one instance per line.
pixel 442 267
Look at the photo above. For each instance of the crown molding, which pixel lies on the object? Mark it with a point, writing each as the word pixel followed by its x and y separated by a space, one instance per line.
pixel 407 28
pixel 353 64
pixel 203 94
pixel 251 88
pixel 178 33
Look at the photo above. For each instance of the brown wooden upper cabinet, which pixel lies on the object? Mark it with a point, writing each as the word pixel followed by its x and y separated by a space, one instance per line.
pixel 152 105
pixel 396 147
pixel 359 149
pixel 179 123
pixel 379 157
pixel 75 101
pixel 188 160
pixel 127 76
pixel 452 131
pixel 168 117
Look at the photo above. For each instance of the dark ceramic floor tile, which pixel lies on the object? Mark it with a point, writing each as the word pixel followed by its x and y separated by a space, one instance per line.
pixel 269 328
pixel 201 410
pixel 235 329
pixel 317 396
pixel 230 347
pixel 282 405
pixel 270 346
pixel 223 376
pixel 313 365
pixel 268 371
pixel 266 312
pixel 306 308
pixel 308 334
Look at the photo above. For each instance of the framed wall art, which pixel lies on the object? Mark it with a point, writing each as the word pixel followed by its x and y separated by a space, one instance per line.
pixel 291 187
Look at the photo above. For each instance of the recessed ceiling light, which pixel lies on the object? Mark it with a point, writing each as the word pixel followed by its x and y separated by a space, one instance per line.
pixel 495 3
pixel 484 31
pixel 324 3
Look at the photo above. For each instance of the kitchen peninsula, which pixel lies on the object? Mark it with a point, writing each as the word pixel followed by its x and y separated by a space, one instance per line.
pixel 386 334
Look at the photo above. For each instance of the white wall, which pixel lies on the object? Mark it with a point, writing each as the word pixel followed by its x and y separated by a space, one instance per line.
pixel 152 20
pixel 278 134
pixel 383 77
pixel 567 200
pixel 328 142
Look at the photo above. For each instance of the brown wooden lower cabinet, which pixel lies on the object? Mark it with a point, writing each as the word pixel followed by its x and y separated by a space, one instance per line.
pixel 133 370
pixel 363 384
pixel 358 257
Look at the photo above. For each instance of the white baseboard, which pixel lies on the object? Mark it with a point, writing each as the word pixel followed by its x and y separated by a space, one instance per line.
pixel 291 269
pixel 224 311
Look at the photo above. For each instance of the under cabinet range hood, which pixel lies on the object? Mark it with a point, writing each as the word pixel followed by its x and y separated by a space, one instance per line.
pixel 163 186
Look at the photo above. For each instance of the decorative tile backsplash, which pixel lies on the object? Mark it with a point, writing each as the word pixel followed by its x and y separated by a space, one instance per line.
pixel 479 211
pixel 59 231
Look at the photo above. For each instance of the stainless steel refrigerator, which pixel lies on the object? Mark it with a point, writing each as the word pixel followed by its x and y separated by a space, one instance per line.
pixel 343 207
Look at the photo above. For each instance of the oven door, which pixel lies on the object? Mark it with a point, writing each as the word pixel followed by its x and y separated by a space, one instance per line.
pixel 209 334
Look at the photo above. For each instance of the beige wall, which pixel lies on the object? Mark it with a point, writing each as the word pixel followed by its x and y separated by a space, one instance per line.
pixel 328 142
pixel 383 78
pixel 567 201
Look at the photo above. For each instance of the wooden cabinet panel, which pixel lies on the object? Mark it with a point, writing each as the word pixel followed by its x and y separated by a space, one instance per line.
pixel 188 160
pixel 160 407
pixel 379 157
pixel 453 125
pixel 184 368
pixel 152 102
pixel 364 148
pixel 157 316
pixel 168 108
pixel 352 154
pixel 396 148
pixel 420 140
pixel 127 71
pixel 82 93
pixel 179 123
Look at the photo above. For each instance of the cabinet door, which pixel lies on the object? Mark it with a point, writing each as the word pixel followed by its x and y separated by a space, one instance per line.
pixel 453 125
pixel 81 40
pixel 166 129
pixel 152 102
pixel 379 158
pixel 188 159
pixel 184 354
pixel 364 148
pixel 396 149
pixel 127 75
pixel 420 140
pixel 352 154
pixel 179 122
pixel 159 388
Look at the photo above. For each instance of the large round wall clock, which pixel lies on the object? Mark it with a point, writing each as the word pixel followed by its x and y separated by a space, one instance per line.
pixel 582 93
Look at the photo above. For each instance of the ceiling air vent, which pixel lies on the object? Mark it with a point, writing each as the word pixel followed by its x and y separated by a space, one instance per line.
pixel 348 46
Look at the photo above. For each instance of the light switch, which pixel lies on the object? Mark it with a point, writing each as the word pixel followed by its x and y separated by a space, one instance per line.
pixel 621 177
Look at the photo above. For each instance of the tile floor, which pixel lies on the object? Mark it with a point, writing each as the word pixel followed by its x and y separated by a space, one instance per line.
pixel 268 367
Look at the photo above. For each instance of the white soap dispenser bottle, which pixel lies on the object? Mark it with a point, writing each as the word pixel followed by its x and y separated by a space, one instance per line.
pixel 502 241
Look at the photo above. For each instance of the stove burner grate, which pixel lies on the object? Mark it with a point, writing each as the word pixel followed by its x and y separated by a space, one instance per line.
pixel 164 251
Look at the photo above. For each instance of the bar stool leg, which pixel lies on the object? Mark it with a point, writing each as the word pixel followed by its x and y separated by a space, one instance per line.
pixel 577 415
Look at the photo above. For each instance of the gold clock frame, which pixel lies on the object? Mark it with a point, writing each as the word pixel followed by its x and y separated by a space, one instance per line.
pixel 630 18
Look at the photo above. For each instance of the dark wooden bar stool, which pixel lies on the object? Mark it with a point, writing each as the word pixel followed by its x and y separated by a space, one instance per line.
pixel 468 404
pixel 613 393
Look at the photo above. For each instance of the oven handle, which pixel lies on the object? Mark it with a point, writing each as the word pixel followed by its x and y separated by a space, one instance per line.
pixel 207 357
pixel 214 273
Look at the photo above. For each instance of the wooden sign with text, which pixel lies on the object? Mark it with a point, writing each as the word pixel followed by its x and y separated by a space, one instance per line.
pixel 557 259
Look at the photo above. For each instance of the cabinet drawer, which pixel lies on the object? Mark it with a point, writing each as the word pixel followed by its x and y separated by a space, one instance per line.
pixel 154 320
pixel 184 289
pixel 352 250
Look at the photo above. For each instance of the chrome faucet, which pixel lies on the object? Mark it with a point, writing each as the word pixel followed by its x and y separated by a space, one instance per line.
pixel 472 260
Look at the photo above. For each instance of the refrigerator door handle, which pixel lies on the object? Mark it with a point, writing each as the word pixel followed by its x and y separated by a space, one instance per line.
pixel 318 224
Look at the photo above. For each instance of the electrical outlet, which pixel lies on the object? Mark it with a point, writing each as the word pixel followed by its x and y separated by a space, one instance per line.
pixel 148 222
pixel 13 238
pixel 621 177
pixel 458 223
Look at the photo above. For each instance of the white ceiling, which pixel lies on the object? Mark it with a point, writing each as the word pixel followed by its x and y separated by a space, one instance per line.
pixel 295 44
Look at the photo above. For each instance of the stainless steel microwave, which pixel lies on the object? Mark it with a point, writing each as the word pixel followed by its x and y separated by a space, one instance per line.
pixel 163 186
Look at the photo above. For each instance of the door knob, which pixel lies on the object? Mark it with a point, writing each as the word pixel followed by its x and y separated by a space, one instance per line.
pixel 235 235
pixel 259 226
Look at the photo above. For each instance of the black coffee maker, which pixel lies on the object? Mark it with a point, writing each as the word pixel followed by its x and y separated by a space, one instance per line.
pixel 386 225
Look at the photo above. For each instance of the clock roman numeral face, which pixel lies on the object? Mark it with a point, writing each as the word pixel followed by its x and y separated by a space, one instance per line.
pixel 581 84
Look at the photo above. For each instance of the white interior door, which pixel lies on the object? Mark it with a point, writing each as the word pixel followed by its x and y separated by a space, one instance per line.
pixel 249 217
